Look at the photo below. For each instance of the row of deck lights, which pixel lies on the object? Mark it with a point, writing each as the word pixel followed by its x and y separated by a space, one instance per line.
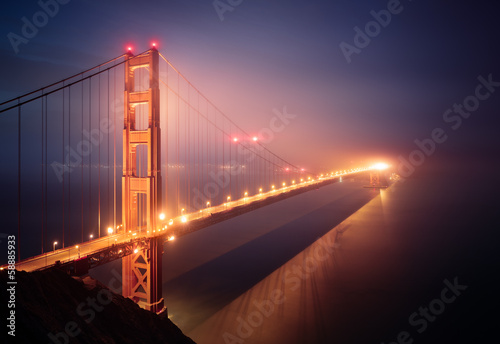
pixel 379 166
pixel 228 198
pixel 183 217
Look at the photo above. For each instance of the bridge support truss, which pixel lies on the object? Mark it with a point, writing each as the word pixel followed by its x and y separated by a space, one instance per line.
pixel 142 276
pixel 141 271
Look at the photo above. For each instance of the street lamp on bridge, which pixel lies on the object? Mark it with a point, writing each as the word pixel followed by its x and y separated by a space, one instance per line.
pixel 54 245
pixel 110 231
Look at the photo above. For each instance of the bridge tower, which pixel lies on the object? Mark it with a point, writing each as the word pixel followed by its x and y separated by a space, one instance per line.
pixel 142 270
pixel 376 180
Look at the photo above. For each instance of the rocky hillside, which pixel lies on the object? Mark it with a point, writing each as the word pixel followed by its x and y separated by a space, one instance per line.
pixel 52 307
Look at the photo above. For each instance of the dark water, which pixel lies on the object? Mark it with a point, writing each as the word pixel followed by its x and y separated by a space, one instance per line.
pixel 392 258
pixel 251 247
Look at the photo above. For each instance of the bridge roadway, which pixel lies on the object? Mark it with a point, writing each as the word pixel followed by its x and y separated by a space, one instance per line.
pixel 78 259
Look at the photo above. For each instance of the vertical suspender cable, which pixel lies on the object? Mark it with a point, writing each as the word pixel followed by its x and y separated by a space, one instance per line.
pixel 69 165
pixel 45 166
pixel 165 180
pixel 64 164
pixel 216 148
pixel 42 167
pixel 188 162
pixel 114 150
pixel 81 163
pixel 177 146
pixel 229 164
pixel 107 182
pixel 198 140
pixel 223 156
pixel 207 145
pixel 19 183
pixel 90 155
pixel 99 164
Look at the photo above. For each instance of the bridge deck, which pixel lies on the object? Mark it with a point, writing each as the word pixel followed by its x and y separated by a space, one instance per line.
pixel 79 258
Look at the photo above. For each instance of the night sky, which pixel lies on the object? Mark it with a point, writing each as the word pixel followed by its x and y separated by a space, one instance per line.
pixel 404 82
pixel 255 56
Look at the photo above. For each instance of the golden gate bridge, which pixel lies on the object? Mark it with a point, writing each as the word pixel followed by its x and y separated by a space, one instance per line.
pixel 114 161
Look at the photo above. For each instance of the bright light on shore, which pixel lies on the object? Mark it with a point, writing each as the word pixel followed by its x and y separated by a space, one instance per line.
pixel 380 166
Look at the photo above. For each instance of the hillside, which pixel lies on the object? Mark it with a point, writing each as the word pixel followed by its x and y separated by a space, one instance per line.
pixel 52 307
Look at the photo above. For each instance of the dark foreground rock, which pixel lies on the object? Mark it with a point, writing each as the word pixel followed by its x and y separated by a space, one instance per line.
pixel 52 307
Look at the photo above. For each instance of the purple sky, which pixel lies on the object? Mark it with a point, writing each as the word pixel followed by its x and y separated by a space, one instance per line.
pixel 267 55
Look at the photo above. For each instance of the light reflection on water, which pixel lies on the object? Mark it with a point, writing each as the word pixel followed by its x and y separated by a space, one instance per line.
pixel 313 284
